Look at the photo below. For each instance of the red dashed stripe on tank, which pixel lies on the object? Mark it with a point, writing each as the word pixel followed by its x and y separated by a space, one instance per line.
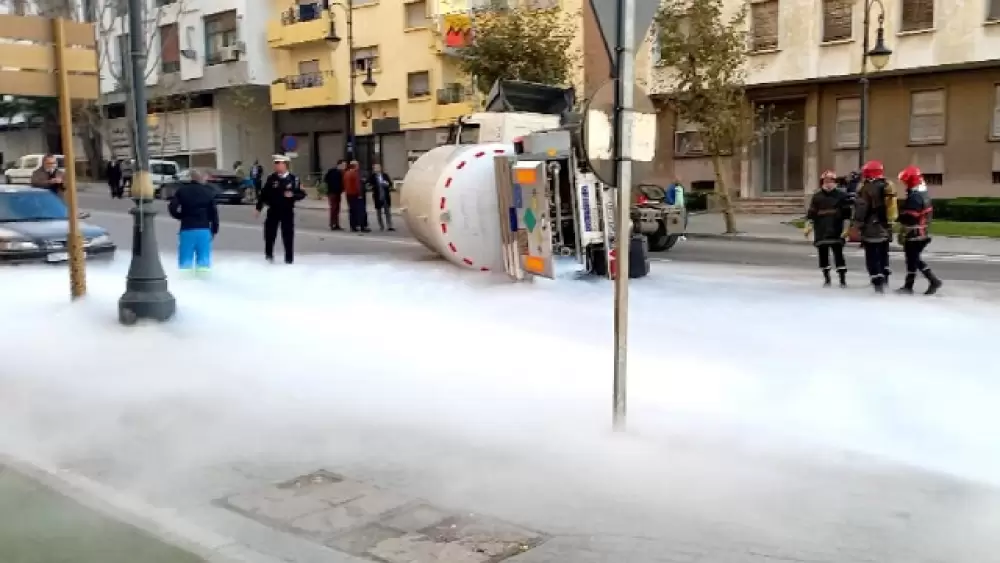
pixel 444 204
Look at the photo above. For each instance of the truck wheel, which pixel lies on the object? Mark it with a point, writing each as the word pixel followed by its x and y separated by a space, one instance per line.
pixel 661 240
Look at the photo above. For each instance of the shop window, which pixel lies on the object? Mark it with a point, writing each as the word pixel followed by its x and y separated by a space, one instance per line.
pixel 170 50
pixel 838 20
pixel 848 123
pixel 764 25
pixel 927 117
pixel 918 15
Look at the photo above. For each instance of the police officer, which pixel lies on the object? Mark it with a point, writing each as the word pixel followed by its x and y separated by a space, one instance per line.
pixel 914 220
pixel 279 193
pixel 875 210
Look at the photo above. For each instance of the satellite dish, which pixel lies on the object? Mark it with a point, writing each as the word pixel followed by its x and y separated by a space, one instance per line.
pixel 598 129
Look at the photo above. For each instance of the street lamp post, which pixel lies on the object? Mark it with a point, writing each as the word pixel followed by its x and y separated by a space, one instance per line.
pixel 879 57
pixel 369 83
pixel 146 293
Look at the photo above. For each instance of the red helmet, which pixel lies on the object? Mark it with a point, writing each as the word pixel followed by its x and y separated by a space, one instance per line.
pixel 873 169
pixel 911 176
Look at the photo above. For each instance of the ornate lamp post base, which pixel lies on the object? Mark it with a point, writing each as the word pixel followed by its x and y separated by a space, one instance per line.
pixel 146 294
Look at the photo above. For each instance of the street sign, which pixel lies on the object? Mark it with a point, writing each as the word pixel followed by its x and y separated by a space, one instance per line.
pixel 606 12
pixel 28 57
pixel 289 143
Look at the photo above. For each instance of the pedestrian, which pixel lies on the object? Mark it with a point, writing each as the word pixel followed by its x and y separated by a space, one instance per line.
pixel 257 176
pixel 354 191
pixel 280 192
pixel 334 180
pixel 828 210
pixel 49 176
pixel 128 170
pixel 381 185
pixel 193 204
pixel 914 219
pixel 114 173
pixel 875 209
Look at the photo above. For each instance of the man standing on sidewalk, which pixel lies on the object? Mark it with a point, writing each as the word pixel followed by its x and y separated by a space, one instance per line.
pixel 280 192
pixel 828 210
pixel 381 185
pixel 355 193
pixel 334 180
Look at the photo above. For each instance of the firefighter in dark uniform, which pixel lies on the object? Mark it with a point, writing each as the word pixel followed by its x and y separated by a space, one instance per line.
pixel 279 193
pixel 828 210
pixel 875 210
pixel 914 221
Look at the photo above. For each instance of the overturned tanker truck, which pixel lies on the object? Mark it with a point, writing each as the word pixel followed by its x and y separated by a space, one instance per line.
pixel 512 191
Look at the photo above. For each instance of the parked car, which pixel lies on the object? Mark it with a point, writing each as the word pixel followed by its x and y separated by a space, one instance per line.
pixel 230 185
pixel 25 166
pixel 34 228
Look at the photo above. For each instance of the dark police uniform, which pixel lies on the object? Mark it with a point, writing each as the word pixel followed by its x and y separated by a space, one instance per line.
pixel 280 212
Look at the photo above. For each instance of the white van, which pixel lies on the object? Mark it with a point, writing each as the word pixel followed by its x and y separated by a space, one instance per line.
pixel 26 166
pixel 163 171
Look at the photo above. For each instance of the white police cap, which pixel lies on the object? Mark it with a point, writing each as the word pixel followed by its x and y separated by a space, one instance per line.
pixel 280 158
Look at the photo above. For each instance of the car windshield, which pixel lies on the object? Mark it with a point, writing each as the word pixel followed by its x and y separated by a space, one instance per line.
pixel 163 169
pixel 22 206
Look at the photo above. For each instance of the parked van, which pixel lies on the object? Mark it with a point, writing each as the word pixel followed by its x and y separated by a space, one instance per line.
pixel 26 166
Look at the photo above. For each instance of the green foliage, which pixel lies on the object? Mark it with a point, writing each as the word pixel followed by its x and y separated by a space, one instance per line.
pixel 968 209
pixel 520 44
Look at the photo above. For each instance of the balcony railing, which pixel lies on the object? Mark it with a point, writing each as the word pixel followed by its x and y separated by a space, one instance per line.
pixel 306 80
pixel 454 94
pixel 301 13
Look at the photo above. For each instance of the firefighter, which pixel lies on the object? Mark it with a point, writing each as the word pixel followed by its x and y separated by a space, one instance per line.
pixel 280 192
pixel 875 210
pixel 914 220
pixel 828 209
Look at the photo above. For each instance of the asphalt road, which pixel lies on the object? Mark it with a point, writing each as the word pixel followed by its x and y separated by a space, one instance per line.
pixel 241 232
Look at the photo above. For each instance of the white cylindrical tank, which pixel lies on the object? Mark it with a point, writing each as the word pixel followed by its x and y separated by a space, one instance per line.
pixel 449 203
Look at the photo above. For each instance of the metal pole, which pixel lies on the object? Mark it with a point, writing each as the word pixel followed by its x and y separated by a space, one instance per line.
pixel 863 112
pixel 146 294
pixel 77 258
pixel 352 105
pixel 622 156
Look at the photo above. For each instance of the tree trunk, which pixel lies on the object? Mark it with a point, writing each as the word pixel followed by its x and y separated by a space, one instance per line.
pixel 722 190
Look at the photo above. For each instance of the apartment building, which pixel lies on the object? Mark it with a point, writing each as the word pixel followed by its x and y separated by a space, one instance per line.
pixel 935 104
pixel 208 77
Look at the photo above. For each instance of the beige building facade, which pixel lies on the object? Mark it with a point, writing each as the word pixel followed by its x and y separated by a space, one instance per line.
pixel 935 104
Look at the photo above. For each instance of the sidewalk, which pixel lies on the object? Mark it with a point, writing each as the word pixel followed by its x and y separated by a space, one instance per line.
pixel 774 229
pixel 321 204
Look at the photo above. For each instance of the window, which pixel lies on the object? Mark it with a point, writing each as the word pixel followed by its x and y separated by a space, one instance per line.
pixel 838 20
pixel 993 10
pixel 123 55
pixel 365 58
pixel 764 25
pixel 220 32
pixel 170 49
pixel 933 179
pixel 418 84
pixel 687 139
pixel 996 177
pixel 917 15
pixel 416 14
pixel 848 123
pixel 309 76
pixel 308 10
pixel 927 117
pixel 996 112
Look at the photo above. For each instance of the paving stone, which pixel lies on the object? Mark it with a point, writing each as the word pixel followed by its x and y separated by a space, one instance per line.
pixel 332 520
pixel 417 548
pixel 282 506
pixel 416 518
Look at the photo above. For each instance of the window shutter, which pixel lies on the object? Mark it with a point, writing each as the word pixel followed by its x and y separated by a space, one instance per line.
pixel 917 15
pixel 848 122
pixel 994 11
pixel 996 113
pixel 837 20
pixel 764 23
pixel 927 116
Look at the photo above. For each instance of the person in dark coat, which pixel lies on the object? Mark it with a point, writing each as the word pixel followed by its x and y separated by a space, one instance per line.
pixel 193 204
pixel 381 186
pixel 257 177
pixel 828 210
pixel 114 174
pixel 915 219
pixel 280 192
pixel 875 210
pixel 334 180
pixel 355 192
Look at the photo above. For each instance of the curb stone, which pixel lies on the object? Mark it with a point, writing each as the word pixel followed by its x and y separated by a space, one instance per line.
pixel 156 522
pixel 748 238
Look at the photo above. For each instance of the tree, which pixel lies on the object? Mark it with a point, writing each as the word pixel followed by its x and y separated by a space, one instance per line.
pixel 520 43
pixel 705 55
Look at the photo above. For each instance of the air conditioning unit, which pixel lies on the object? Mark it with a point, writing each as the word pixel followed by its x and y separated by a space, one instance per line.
pixel 239 47
pixel 230 53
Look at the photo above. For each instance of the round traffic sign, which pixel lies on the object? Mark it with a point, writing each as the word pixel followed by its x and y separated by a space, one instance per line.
pixel 289 143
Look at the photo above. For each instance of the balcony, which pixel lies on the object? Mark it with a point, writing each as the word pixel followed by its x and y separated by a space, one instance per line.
pixel 301 24
pixel 314 89
pixel 453 101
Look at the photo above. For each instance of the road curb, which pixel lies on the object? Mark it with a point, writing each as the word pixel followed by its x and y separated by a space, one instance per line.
pixel 157 522
pixel 747 238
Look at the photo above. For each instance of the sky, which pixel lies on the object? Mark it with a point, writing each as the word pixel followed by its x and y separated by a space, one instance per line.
pixel 417 367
